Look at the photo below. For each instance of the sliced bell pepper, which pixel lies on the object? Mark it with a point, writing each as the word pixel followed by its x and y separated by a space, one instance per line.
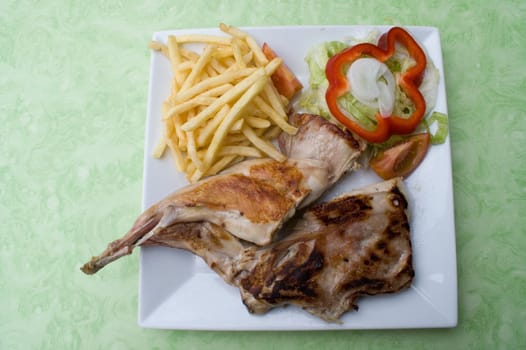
pixel 409 82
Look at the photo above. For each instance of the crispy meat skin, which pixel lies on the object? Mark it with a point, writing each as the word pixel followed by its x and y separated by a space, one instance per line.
pixel 267 194
pixel 252 199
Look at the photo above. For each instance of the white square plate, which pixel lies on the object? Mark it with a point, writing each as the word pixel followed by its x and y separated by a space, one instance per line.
pixel 178 291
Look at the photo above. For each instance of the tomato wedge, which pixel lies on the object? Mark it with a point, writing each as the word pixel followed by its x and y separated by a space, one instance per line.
pixel 402 158
pixel 284 80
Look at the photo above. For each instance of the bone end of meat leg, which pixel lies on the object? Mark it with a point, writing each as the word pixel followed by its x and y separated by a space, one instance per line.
pixel 125 245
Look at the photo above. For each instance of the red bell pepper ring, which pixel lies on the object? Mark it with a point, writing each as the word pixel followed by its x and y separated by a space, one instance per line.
pixel 409 82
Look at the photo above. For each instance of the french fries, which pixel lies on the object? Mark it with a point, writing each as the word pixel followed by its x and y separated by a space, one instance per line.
pixel 223 106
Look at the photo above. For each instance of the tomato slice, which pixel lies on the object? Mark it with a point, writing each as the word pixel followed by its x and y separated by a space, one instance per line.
pixel 284 80
pixel 401 159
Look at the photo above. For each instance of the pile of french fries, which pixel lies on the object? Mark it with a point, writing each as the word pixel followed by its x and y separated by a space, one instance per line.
pixel 223 106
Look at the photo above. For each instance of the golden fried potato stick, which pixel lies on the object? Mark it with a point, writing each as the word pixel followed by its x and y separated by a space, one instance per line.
pixel 223 106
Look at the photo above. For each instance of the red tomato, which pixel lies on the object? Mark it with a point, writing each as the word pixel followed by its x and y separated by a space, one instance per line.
pixel 284 80
pixel 401 159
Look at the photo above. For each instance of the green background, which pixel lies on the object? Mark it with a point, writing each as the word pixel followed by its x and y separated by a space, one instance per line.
pixel 73 94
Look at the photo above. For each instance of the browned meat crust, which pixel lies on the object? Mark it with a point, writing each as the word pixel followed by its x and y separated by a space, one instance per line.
pixel 266 194
pixel 358 244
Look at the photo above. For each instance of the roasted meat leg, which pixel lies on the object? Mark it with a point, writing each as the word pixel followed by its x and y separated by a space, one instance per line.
pixel 253 199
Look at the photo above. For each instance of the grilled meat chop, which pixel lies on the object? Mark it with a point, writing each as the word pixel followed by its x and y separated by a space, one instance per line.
pixel 356 244
pixel 254 198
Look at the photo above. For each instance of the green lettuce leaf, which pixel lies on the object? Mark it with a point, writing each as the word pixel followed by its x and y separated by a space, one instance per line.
pixel 317 59
pixel 312 100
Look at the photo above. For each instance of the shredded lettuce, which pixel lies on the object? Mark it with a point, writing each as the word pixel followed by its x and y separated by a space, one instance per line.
pixel 429 86
pixel 362 113
pixel 364 36
pixel 317 59
pixel 312 99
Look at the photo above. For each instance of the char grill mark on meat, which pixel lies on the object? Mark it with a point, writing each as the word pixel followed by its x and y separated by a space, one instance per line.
pixel 282 279
pixel 343 210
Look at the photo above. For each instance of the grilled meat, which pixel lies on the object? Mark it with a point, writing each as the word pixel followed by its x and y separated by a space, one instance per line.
pixel 356 244
pixel 254 198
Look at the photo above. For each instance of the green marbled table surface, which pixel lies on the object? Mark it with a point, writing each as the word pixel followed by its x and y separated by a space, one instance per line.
pixel 73 94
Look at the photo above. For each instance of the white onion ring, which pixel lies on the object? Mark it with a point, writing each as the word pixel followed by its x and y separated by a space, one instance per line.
pixel 372 83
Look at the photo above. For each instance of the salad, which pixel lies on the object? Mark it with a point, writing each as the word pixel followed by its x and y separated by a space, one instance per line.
pixel 383 88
